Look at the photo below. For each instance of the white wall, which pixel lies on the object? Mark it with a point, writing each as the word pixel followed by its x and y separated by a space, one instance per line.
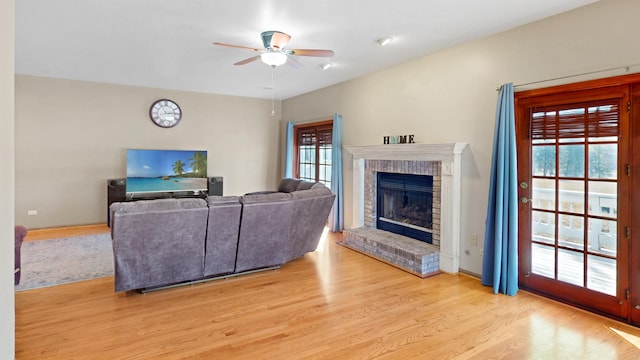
pixel 71 136
pixel 451 95
pixel 7 295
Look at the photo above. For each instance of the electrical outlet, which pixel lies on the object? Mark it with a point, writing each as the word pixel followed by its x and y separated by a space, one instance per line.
pixel 32 212
pixel 474 239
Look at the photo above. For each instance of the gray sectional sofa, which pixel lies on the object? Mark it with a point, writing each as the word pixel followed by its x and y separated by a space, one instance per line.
pixel 169 241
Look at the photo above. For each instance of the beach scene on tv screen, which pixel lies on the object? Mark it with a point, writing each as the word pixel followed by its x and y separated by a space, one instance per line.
pixel 166 170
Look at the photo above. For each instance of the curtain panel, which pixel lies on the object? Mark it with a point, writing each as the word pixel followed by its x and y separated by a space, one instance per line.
pixel 500 262
pixel 336 217
pixel 288 158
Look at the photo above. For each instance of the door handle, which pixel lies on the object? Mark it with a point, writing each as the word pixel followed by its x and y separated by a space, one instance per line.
pixel 637 307
pixel 524 199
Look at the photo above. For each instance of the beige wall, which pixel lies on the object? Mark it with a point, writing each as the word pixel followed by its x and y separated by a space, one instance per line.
pixel 72 136
pixel 451 96
pixel 7 295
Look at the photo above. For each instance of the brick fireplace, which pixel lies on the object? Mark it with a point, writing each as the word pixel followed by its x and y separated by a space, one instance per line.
pixel 410 167
pixel 440 161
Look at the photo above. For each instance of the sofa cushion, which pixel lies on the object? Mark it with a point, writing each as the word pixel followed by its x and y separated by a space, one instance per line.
pixel 157 205
pixel 265 198
pixel 288 185
pixel 158 242
pixel 143 206
pixel 222 235
pixel 305 185
pixel 261 192
pixel 216 200
pixel 264 231
pixel 319 185
pixel 313 192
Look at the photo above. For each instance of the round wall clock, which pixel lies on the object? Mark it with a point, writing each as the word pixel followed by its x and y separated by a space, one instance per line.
pixel 165 113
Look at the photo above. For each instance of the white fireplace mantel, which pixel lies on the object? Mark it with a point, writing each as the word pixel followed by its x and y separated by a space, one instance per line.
pixel 450 157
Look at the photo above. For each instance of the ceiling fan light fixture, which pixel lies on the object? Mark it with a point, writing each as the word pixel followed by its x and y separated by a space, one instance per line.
pixel 273 58
pixel 384 41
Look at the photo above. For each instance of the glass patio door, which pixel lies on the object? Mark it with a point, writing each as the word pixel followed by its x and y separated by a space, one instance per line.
pixel 573 173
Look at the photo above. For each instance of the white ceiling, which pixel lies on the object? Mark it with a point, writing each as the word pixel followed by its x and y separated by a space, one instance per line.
pixel 168 43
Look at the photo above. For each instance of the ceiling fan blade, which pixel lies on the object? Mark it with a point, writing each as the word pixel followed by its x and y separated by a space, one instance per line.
pixel 249 60
pixel 311 52
pixel 274 39
pixel 293 62
pixel 236 46
pixel 279 40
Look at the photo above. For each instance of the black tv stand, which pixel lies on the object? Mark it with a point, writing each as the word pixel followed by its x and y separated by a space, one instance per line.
pixel 165 195
pixel 117 192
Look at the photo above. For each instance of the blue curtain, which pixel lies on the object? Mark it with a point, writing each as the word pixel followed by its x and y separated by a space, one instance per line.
pixel 288 159
pixel 336 217
pixel 500 263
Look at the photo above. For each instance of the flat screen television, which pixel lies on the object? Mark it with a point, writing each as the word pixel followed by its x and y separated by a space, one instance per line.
pixel 166 171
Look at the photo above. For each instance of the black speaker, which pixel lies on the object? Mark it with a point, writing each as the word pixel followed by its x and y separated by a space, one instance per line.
pixel 116 191
pixel 214 185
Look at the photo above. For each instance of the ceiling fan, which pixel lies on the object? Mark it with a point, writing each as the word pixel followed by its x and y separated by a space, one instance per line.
pixel 274 52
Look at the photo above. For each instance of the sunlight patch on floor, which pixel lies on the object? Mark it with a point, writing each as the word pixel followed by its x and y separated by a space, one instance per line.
pixel 323 240
pixel 553 340
pixel 632 339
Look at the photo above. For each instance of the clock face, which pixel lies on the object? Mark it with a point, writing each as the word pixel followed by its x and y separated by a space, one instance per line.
pixel 165 113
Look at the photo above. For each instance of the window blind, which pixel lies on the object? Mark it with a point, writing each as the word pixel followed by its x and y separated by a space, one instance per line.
pixel 324 137
pixel 306 137
pixel 577 121
pixel 309 136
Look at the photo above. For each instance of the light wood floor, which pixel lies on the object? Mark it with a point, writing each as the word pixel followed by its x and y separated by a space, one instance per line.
pixel 335 304
pixel 54 233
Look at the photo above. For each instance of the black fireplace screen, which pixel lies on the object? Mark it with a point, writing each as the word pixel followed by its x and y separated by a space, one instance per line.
pixel 405 205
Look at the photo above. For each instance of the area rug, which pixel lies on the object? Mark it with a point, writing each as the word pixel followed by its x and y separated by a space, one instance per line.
pixel 66 260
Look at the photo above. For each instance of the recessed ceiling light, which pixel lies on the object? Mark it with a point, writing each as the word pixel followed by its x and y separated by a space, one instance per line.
pixel 384 41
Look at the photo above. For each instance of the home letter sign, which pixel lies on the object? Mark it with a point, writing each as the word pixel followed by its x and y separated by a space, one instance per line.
pixel 398 139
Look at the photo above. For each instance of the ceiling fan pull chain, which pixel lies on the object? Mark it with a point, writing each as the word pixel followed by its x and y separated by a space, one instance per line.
pixel 273 90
